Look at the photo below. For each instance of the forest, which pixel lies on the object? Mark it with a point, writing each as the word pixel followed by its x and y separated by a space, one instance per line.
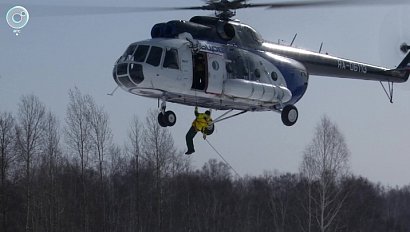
pixel 66 175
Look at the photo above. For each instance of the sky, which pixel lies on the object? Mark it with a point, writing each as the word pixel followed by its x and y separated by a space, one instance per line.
pixel 55 53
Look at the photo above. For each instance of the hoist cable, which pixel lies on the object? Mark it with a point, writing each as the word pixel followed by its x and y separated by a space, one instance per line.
pixel 220 155
pixel 196 100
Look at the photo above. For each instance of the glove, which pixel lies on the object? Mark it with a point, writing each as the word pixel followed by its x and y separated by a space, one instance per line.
pixel 204 136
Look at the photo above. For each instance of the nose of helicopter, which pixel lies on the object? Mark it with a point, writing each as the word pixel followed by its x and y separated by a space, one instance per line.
pixel 128 75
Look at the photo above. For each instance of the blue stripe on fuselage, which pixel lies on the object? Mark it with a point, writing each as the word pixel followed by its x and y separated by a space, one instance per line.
pixel 295 75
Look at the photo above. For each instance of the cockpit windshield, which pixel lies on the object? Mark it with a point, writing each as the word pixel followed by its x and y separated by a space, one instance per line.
pixel 130 50
pixel 141 53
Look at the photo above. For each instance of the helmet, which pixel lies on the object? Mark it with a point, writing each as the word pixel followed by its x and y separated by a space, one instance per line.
pixel 208 112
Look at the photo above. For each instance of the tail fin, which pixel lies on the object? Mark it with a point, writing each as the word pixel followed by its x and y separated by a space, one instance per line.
pixel 402 72
pixel 405 63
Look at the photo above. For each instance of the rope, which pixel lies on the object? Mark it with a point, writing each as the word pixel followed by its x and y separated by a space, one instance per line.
pixel 196 100
pixel 220 155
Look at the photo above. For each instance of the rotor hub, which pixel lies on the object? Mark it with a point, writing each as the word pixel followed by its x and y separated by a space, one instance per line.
pixel 225 14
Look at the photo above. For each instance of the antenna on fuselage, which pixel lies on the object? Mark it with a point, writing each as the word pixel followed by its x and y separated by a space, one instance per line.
pixel 293 40
pixel 112 93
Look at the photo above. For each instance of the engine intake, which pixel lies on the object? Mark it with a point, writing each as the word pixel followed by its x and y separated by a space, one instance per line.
pixel 225 30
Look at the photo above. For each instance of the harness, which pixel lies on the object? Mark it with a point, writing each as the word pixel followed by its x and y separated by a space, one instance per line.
pixel 201 122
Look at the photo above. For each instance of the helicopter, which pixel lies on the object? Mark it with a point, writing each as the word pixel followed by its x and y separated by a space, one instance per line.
pixel 220 63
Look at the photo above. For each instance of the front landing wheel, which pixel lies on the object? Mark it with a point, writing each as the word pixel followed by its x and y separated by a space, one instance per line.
pixel 170 118
pixel 289 115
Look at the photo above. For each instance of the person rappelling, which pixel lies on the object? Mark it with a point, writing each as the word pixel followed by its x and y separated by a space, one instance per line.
pixel 201 123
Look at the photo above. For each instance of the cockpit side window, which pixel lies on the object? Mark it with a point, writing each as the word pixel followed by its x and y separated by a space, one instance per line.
pixel 141 53
pixel 154 57
pixel 171 59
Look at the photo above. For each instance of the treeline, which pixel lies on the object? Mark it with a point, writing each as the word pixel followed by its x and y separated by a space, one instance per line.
pixel 70 176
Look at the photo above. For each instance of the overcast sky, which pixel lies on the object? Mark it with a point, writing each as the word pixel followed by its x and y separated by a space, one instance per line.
pixel 54 54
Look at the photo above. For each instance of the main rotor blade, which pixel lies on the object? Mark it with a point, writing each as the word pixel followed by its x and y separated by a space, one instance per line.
pixel 65 10
pixel 214 5
pixel 239 4
pixel 295 4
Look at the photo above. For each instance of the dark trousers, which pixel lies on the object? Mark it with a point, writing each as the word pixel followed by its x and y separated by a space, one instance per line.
pixel 190 139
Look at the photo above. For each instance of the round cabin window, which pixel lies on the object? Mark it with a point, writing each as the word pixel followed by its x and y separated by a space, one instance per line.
pixel 215 65
pixel 274 76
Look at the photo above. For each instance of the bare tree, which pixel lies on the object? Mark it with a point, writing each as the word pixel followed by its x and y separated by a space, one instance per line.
pixel 78 127
pixel 160 154
pixel 325 160
pixel 51 156
pixel 216 170
pixel 157 143
pixel 7 141
pixel 134 150
pixel 101 140
pixel 118 161
pixel 281 190
pixel 159 150
pixel 101 133
pixel 30 129
pixel 78 138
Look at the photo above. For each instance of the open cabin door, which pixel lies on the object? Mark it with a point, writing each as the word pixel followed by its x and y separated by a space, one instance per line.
pixel 216 73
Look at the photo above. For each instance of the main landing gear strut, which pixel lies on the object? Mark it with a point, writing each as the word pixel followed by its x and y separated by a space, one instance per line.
pixel 166 118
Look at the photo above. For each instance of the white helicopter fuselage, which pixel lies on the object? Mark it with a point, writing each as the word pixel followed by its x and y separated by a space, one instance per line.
pixel 205 74
pixel 219 63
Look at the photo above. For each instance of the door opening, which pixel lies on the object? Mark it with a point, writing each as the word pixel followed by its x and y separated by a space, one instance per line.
pixel 200 77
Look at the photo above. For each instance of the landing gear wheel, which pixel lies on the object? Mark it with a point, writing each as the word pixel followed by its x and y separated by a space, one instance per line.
pixel 210 129
pixel 289 115
pixel 161 120
pixel 170 118
pixel 167 119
